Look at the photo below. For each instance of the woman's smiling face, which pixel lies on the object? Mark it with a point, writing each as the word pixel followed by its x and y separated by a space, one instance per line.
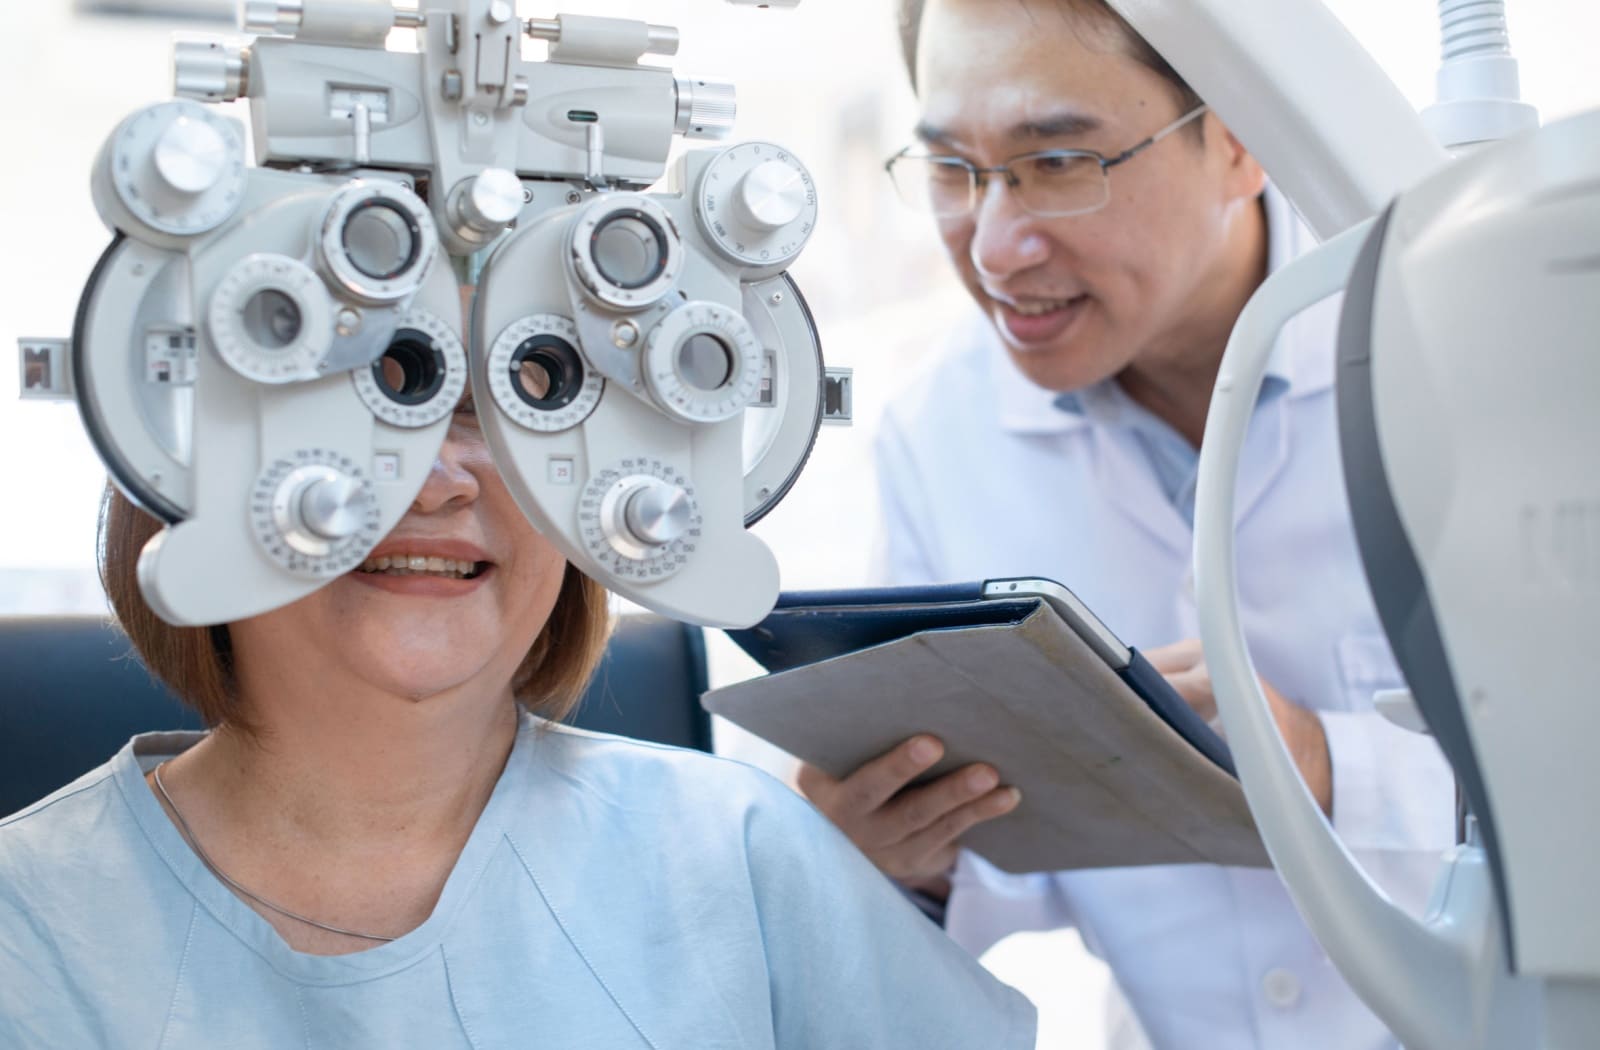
pixel 454 596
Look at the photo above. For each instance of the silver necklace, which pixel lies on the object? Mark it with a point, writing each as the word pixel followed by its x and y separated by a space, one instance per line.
pixel 183 825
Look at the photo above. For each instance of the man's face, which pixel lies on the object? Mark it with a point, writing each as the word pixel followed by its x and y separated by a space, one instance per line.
pixel 1080 298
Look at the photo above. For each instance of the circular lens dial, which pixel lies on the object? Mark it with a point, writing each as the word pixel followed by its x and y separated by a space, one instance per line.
pixel 626 252
pixel 177 167
pixel 757 205
pixel 538 377
pixel 377 241
pixel 315 514
pixel 639 520
pixel 421 375
pixel 270 319
pixel 702 363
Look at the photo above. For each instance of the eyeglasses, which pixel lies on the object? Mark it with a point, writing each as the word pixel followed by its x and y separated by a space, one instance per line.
pixel 1050 184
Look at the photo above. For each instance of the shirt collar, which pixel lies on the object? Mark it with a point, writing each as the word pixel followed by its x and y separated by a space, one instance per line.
pixel 1301 362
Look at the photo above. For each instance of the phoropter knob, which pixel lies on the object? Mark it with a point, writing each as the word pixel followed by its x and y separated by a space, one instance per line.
pixel 209 71
pixel 484 205
pixel 657 513
pixel 706 108
pixel 191 156
pixel 771 195
pixel 332 507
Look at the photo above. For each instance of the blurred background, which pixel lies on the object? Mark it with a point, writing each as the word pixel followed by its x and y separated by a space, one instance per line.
pixel 825 80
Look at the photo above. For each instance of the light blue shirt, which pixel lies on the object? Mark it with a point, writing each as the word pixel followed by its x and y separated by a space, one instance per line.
pixel 984 475
pixel 1174 463
pixel 612 895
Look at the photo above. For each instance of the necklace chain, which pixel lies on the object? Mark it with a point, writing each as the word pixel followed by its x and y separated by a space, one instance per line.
pixel 189 836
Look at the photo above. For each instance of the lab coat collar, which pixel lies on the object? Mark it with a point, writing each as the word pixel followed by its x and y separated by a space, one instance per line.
pixel 1301 362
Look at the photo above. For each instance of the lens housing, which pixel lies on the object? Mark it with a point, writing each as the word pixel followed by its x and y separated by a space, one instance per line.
pixel 420 376
pixel 625 251
pixel 377 241
pixel 539 378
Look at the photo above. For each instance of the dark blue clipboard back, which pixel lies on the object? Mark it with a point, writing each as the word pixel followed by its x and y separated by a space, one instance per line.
pixel 807 627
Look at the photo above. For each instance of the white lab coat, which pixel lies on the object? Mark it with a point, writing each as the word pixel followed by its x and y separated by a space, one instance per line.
pixel 983 476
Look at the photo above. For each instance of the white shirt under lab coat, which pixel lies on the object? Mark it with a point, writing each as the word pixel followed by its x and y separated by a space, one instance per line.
pixel 983 475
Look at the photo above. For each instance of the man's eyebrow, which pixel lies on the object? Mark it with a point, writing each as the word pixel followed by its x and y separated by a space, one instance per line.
pixel 1056 125
pixel 1066 124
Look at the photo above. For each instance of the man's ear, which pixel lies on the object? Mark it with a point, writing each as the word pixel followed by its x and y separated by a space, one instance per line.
pixel 1243 176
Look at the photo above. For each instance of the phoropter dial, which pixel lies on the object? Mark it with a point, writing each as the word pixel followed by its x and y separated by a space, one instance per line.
pixel 538 377
pixel 377 241
pixel 270 319
pixel 315 513
pixel 639 520
pixel 757 205
pixel 176 167
pixel 626 251
pixel 420 376
pixel 702 363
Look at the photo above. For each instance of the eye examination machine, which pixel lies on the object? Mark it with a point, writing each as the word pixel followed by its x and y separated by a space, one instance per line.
pixel 1466 242
pixel 268 354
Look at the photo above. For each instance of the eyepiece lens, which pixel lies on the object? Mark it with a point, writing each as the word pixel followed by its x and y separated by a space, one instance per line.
pixel 271 319
pixel 547 373
pixel 380 240
pixel 629 250
pixel 705 362
pixel 411 371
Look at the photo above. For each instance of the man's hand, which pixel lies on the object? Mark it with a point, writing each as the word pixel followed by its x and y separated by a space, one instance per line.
pixel 1184 667
pixel 910 834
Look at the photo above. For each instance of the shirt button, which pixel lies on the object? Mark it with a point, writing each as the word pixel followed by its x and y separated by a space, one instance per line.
pixel 1281 988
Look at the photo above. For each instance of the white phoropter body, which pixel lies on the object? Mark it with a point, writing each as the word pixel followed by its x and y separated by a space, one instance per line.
pixel 1468 376
pixel 267 357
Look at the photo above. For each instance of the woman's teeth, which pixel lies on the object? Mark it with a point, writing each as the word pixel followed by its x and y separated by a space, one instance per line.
pixel 1038 307
pixel 417 565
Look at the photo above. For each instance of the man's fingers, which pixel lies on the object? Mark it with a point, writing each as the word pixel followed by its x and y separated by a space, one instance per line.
pixel 932 850
pixel 922 806
pixel 869 787
pixel 1179 656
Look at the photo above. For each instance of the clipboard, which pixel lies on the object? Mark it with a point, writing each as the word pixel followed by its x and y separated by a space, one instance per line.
pixel 1114 767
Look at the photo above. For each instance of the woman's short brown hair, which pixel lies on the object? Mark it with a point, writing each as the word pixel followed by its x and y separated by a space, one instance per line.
pixel 196 663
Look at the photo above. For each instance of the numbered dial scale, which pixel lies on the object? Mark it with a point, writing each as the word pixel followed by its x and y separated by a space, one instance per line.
pixel 639 520
pixel 757 205
pixel 315 513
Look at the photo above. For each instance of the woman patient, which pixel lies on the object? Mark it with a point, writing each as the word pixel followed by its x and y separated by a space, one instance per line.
pixel 383 841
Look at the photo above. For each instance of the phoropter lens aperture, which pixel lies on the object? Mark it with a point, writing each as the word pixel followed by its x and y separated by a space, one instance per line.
pixel 705 362
pixel 546 372
pixel 381 239
pixel 271 319
pixel 412 370
pixel 629 249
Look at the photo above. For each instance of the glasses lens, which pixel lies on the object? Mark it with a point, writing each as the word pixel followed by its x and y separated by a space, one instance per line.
pixel 933 184
pixel 1060 185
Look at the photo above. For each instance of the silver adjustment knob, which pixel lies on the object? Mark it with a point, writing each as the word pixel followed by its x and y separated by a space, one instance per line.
pixel 271 17
pixel 486 203
pixel 210 71
pixel 191 155
pixel 771 196
pixel 657 513
pixel 706 108
pixel 332 507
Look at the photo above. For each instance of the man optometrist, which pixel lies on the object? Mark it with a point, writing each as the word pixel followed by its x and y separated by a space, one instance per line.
pixel 1111 229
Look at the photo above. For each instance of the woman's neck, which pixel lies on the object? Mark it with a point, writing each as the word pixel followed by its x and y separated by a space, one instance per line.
pixel 345 805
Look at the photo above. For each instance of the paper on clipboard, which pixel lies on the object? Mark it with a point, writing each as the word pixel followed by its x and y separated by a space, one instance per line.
pixel 1105 782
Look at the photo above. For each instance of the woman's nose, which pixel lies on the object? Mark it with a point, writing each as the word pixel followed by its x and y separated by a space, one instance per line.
pixel 1005 239
pixel 451 480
